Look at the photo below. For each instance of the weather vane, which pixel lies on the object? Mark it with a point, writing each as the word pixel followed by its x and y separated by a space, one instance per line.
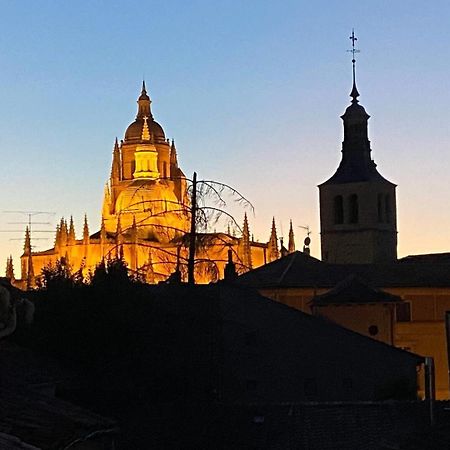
pixel 353 38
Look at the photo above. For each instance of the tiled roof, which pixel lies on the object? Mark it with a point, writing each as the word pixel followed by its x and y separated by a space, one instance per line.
pixel 46 422
pixel 354 290
pixel 300 270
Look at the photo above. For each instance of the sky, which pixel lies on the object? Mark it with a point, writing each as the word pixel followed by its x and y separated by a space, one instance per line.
pixel 251 91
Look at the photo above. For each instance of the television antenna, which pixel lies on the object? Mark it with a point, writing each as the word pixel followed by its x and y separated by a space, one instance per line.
pixel 30 223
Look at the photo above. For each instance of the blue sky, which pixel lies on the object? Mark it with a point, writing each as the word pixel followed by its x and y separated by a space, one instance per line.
pixel 251 91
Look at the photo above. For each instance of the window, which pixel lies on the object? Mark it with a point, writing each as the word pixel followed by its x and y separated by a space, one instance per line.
pixel 353 208
pixel 338 209
pixel 373 330
pixel 380 207
pixel 403 312
pixel 387 201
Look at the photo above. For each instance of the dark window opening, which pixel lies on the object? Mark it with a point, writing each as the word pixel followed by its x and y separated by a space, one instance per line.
pixel 353 209
pixel 373 330
pixel 387 201
pixel 380 207
pixel 338 209
pixel 403 312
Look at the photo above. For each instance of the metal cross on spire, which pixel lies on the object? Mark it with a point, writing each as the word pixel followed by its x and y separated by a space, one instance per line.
pixel 354 93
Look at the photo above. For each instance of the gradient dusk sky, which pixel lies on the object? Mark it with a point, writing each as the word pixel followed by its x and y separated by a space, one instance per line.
pixel 251 91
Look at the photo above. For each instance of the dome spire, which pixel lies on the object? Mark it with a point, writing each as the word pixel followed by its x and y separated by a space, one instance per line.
pixel 354 94
pixel 144 104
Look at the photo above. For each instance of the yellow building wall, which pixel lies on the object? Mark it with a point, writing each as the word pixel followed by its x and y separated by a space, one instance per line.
pixel 424 334
pixel 360 317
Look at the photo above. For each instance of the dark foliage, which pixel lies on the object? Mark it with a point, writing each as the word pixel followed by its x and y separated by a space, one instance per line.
pixel 59 276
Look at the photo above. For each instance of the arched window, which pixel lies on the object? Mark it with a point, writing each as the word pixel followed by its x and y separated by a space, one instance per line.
pixel 338 209
pixel 353 209
pixel 380 207
pixel 387 202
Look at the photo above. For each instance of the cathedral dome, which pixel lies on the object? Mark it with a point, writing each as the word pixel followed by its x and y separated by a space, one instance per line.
pixel 134 131
pixel 147 196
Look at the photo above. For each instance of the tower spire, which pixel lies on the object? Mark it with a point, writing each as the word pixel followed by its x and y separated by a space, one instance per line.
pixel 354 94
pixel 144 104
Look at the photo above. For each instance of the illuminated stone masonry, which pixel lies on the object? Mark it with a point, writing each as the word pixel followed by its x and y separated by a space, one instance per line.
pixel 145 216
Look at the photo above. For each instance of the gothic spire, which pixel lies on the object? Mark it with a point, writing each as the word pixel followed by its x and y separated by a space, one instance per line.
pixel 133 231
pixel 10 268
pixel 85 231
pixel 71 234
pixel 63 233
pixel 272 246
pixel 245 251
pixel 119 235
pixel 103 231
pixel 106 201
pixel 150 272
pixel 173 155
pixel 115 167
pixel 27 244
pixel 291 243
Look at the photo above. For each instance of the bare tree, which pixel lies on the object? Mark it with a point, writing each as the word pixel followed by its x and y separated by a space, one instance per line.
pixel 205 208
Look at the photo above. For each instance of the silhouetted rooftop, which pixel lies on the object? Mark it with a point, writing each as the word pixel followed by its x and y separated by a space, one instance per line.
pixel 354 290
pixel 300 270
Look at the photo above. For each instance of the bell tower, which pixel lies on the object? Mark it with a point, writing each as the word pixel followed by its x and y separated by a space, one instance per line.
pixel 358 218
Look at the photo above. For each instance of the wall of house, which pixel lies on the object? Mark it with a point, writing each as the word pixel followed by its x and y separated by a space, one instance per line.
pixel 271 354
pixel 372 320
pixel 423 334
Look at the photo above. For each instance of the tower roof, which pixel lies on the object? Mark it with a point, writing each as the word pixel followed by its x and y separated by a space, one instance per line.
pixel 356 164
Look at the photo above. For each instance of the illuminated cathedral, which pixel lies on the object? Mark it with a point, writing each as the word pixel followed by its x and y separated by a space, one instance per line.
pixel 146 215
